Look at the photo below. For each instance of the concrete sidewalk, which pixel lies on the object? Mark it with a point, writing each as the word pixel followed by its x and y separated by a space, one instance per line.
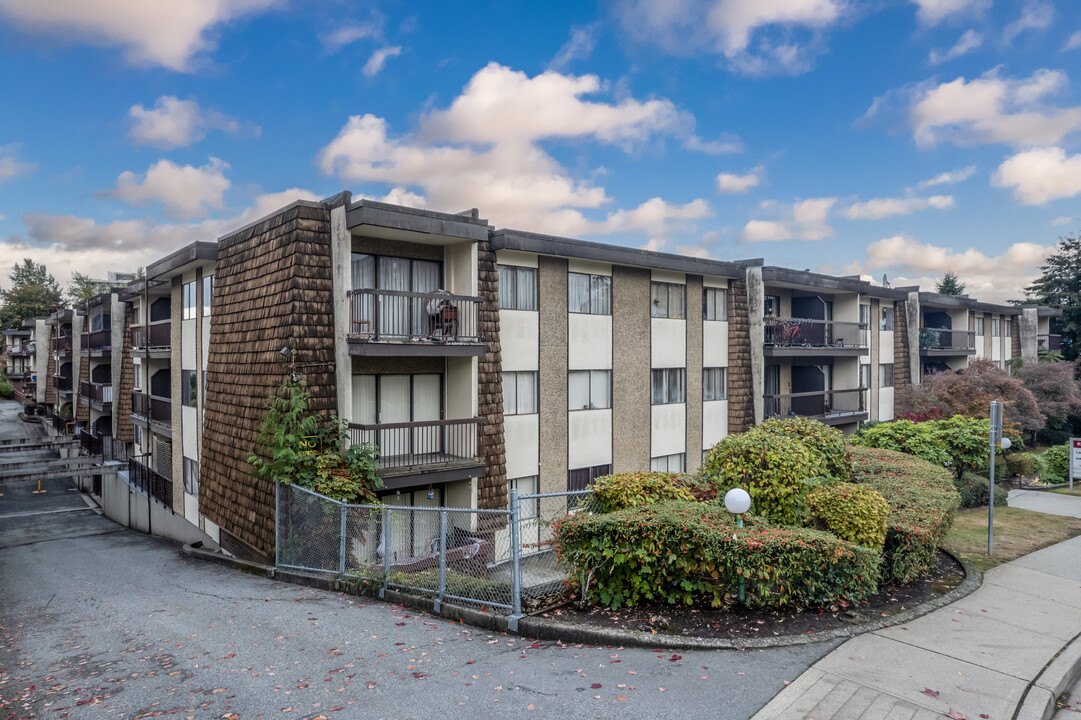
pixel 977 657
pixel 1052 503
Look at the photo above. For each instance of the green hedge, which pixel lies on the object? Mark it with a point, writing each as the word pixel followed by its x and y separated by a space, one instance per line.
pixel 7 390
pixel 974 489
pixel 623 490
pixel 818 437
pixel 916 439
pixel 677 552
pixel 852 512
pixel 922 501
pixel 1056 462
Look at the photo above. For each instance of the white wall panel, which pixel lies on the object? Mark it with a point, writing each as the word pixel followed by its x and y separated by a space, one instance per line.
pixel 714 344
pixel 714 422
pixel 519 337
pixel 669 343
pixel 522 438
pixel 589 342
pixel 590 438
pixel 668 429
pixel 885 404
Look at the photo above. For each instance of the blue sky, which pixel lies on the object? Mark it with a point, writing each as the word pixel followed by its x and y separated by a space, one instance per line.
pixel 898 137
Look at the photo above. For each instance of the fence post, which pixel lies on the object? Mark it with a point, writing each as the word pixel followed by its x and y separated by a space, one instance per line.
pixel 442 560
pixel 277 521
pixel 386 553
pixel 516 565
pixel 341 548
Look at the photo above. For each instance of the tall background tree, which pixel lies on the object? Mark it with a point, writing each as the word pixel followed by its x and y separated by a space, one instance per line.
pixel 950 284
pixel 82 287
pixel 33 292
pixel 1060 287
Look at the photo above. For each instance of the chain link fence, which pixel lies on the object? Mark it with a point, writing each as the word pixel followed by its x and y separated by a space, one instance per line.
pixel 500 559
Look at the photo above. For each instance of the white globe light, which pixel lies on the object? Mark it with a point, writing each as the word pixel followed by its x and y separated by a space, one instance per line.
pixel 1005 443
pixel 737 501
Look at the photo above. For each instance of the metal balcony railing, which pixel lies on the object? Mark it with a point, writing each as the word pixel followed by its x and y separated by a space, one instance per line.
pixel 1048 343
pixel 62 382
pixel 946 339
pixel 98 340
pixel 62 343
pixel 156 336
pixel 821 404
pixel 101 392
pixel 398 316
pixel 808 333
pixel 149 481
pixel 64 426
pixel 152 408
pixel 418 444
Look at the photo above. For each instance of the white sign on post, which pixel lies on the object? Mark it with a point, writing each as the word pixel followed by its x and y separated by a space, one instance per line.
pixel 1075 460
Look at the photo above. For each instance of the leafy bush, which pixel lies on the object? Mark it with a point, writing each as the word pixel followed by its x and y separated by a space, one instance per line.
pixel 918 439
pixel 775 470
pixel 852 512
pixel 1057 462
pixel 624 490
pixel 966 441
pixel 7 390
pixel 922 500
pixel 1021 465
pixel 675 552
pixel 819 437
pixel 974 488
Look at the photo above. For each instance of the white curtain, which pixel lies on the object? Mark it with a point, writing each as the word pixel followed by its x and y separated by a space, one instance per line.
pixel 510 394
pixel 676 296
pixel 600 389
pixel 578 389
pixel 658 293
pixel 364 405
pixel 508 292
pixel 527 289
pixel 426 279
pixel 600 290
pixel 426 405
pixel 393 408
pixel 527 393
pixel 577 293
pixel 393 310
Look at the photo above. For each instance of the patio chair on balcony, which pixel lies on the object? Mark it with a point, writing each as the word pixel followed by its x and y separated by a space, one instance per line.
pixel 442 317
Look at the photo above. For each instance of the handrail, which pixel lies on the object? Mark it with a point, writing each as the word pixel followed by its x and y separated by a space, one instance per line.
pixel 409 293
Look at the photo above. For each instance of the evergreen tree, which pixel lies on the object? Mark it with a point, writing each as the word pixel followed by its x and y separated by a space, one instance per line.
pixel 950 285
pixel 33 293
pixel 1060 287
pixel 82 288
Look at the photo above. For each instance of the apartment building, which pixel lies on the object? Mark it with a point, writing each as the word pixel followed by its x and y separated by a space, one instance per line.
pixel 18 363
pixel 98 372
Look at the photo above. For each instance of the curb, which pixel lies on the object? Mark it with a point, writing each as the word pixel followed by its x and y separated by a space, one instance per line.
pixel 1060 673
pixel 574 634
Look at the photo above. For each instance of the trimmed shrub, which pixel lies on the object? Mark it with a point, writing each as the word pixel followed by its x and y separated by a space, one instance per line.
pixel 775 470
pixel 7 390
pixel 916 439
pixel 852 512
pixel 623 490
pixel 966 440
pixel 819 437
pixel 1021 465
pixel 922 501
pixel 974 489
pixel 676 552
pixel 1057 462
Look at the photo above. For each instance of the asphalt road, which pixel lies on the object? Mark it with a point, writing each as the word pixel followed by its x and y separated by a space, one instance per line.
pixel 100 621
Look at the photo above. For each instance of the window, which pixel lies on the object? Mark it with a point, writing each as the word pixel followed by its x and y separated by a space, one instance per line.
pixel 771 306
pixel 714 384
pixel 396 399
pixel 865 376
pixel 136 315
pixel 520 393
pixel 667 300
pixel 668 463
pixel 189 388
pixel 582 478
pixel 668 386
pixel 979 326
pixel 1006 326
pixel 995 327
pixel 865 315
pixel 208 292
pixel 517 288
pixel 528 510
pixel 189 301
pixel 589 294
pixel 138 436
pixel 714 304
pixel 191 476
pixel 885 376
pixel 589 389
pixel 885 319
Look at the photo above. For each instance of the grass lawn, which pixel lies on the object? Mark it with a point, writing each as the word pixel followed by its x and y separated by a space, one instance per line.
pixel 1017 532
pixel 1067 491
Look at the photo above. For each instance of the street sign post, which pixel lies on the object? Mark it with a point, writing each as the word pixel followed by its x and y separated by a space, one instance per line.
pixel 1075 460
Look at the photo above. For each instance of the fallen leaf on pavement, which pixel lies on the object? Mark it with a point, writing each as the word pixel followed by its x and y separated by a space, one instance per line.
pixel 929 692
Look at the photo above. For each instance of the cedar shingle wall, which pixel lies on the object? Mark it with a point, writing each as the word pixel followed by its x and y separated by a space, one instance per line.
pixel 902 374
pixel 82 404
pixel 492 491
pixel 50 370
pixel 740 385
pixel 272 288
pixel 1015 337
pixel 125 432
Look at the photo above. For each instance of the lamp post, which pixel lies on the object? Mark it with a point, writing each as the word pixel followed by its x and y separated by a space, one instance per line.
pixel 737 502
pixel 996 436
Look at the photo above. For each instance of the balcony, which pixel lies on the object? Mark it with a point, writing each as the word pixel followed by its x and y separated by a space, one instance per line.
pixel 62 344
pixel 62 383
pixel 108 447
pixel 833 407
pixel 149 480
pixel 101 393
pixel 428 446
pixel 99 342
pixel 394 322
pixel 1048 343
pixel 152 408
pixel 792 337
pixel 943 341
pixel 153 337
pixel 21 351
pixel 62 425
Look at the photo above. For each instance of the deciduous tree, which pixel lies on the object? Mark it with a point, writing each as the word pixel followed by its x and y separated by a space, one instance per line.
pixel 33 293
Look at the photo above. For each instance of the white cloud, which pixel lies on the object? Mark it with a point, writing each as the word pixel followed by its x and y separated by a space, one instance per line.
pixel 932 12
pixel 880 208
pixel 731 183
pixel 174 123
pixel 1060 221
pixel 985 110
pixel 10 165
pixel 754 36
pixel 183 191
pixel 1040 175
pixel 968 42
pixel 1034 16
pixel 350 33
pixel 483 151
pixel 803 220
pixel 578 47
pixel 989 278
pixel 379 59
pixel 950 177
pixel 1073 42
pixel 150 33
pixel 401 196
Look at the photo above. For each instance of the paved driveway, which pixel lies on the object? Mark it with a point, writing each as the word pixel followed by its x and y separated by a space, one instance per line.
pixel 100 621
pixel 1046 502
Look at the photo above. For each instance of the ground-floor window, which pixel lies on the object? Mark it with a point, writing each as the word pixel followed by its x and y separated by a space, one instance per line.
pixel 582 478
pixel 528 510
pixel 668 463
pixel 191 476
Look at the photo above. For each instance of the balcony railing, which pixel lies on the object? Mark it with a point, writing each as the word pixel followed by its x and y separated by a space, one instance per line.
pixel 946 339
pixel 808 333
pixel 149 481
pixel 98 340
pixel 21 351
pixel 64 426
pixel 62 382
pixel 1046 343
pixel 416 444
pixel 62 343
pixel 156 336
pixel 820 404
pixel 101 392
pixel 152 408
pixel 398 316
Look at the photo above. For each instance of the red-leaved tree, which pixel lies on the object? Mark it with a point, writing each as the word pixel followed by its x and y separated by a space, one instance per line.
pixel 1055 387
